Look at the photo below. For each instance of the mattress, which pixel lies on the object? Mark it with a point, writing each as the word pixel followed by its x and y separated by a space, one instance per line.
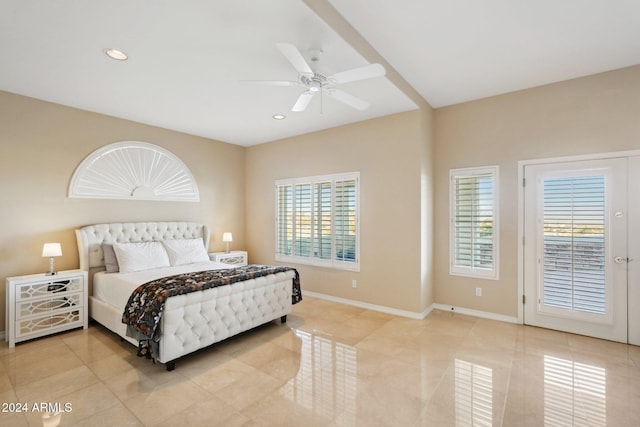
pixel 116 288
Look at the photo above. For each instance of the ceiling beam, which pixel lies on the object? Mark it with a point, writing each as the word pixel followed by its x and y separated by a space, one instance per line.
pixel 330 15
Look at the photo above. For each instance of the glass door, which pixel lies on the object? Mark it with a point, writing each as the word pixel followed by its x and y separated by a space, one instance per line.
pixel 575 254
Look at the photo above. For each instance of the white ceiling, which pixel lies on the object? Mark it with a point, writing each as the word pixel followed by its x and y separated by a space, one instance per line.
pixel 453 51
pixel 188 58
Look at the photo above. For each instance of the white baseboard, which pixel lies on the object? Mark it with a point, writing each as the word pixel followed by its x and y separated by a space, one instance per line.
pixel 411 314
pixel 476 313
pixel 374 307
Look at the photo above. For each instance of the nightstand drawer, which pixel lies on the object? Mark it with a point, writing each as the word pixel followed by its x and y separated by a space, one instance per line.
pixel 50 323
pixel 38 307
pixel 238 258
pixel 48 288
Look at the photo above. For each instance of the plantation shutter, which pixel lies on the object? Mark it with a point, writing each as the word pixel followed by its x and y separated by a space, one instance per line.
pixel 303 216
pixel 322 223
pixel 473 222
pixel 316 220
pixel 285 220
pixel 574 243
pixel 346 221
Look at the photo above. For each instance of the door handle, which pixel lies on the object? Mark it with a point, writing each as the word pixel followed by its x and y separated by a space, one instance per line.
pixel 620 260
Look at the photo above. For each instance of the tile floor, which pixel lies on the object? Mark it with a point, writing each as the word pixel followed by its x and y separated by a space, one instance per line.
pixel 331 365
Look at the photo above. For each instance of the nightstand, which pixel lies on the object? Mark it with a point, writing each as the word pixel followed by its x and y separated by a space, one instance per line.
pixel 39 305
pixel 238 258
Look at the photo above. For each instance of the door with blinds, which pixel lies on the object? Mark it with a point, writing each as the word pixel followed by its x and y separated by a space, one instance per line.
pixel 575 247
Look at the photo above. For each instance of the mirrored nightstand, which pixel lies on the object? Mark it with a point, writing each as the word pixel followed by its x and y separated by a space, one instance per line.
pixel 239 258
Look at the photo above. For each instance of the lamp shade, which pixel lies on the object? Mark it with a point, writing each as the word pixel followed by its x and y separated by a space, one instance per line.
pixel 51 249
pixel 227 237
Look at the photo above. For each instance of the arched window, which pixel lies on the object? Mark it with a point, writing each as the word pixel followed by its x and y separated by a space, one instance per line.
pixel 133 170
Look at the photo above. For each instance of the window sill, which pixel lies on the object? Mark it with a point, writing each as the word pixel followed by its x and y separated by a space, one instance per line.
pixel 333 264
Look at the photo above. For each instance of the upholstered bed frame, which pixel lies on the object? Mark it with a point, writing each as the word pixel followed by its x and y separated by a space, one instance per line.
pixel 191 321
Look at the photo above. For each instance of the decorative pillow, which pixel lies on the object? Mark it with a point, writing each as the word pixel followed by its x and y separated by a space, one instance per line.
pixel 186 251
pixel 110 260
pixel 140 256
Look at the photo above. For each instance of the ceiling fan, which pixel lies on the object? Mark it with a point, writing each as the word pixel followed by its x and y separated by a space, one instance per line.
pixel 315 82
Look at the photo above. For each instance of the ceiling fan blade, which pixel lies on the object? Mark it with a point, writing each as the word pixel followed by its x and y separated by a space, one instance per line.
pixel 271 82
pixel 348 99
pixel 295 58
pixel 303 101
pixel 367 72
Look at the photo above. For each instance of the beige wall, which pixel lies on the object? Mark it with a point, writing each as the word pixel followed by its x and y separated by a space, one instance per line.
pixel 595 114
pixel 41 144
pixel 390 154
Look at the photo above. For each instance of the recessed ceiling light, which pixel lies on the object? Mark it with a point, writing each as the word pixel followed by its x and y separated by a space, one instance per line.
pixel 279 117
pixel 116 54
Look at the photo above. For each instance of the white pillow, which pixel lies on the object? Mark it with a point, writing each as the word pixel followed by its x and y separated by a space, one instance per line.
pixel 186 251
pixel 140 256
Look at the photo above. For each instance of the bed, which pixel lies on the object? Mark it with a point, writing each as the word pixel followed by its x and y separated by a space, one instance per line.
pixel 189 321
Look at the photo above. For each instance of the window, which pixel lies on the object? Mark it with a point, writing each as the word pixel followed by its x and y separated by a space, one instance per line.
pixel 317 221
pixel 474 222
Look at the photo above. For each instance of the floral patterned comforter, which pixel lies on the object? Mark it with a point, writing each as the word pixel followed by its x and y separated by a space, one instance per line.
pixel 144 308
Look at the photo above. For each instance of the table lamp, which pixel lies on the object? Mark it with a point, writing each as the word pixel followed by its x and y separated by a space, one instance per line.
pixel 51 250
pixel 227 237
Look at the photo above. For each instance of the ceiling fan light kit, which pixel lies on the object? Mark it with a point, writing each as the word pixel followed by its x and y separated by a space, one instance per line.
pixel 315 82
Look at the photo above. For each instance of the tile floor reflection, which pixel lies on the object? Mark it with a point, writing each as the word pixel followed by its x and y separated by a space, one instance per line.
pixel 569 385
pixel 330 365
pixel 474 394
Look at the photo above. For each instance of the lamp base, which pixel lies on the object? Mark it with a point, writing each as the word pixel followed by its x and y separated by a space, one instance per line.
pixel 52 270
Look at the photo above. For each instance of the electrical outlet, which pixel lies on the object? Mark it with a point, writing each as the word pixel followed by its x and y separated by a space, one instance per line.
pixel 478 292
pixel 354 283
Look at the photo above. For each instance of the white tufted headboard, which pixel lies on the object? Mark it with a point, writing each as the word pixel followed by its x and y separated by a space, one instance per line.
pixel 91 238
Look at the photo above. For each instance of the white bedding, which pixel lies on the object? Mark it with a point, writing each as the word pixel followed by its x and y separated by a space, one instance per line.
pixel 116 288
